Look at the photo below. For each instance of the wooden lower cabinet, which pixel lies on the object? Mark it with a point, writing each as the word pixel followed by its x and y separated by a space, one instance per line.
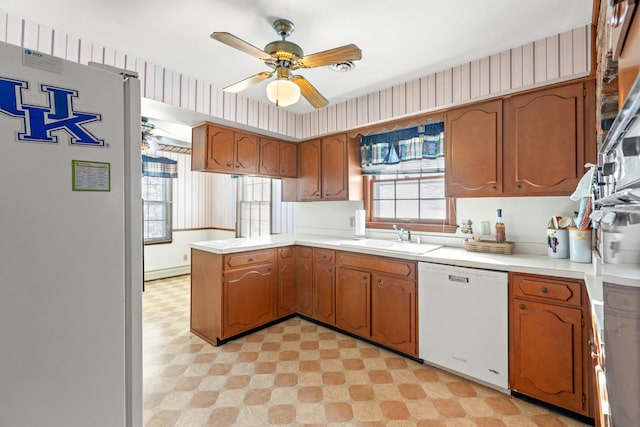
pixel 394 313
pixel 248 298
pixel 376 299
pixel 231 294
pixel 548 341
pixel 370 296
pixel 286 281
pixel 304 280
pixel 324 286
pixel 353 301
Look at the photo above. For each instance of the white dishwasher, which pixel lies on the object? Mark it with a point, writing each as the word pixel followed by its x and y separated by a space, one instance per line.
pixel 463 322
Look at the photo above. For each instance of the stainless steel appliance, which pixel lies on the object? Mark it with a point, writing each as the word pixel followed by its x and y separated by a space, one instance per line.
pixel 618 215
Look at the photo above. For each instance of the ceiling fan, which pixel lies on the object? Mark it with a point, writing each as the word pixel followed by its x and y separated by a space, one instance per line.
pixel 282 57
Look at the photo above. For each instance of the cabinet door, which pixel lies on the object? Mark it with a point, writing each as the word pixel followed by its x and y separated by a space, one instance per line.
pixel 248 299
pixel 473 159
pixel 286 281
pixel 220 149
pixel 324 287
pixel 545 141
pixel 288 159
pixel 304 280
pixel 308 185
pixel 335 178
pixel 246 153
pixel 353 301
pixel 546 353
pixel 393 317
pixel 269 157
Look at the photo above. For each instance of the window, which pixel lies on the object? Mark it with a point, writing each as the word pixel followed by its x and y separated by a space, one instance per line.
pixel 156 196
pixel 254 206
pixel 405 179
pixel 410 199
pixel 261 210
pixel 418 200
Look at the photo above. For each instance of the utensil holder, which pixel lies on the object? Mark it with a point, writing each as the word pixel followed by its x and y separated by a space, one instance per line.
pixel 580 244
pixel 557 243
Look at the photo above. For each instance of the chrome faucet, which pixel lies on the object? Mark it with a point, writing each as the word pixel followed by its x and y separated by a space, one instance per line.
pixel 400 232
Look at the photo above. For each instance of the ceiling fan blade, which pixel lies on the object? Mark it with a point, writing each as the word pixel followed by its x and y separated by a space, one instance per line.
pixel 346 53
pixel 246 83
pixel 310 93
pixel 233 41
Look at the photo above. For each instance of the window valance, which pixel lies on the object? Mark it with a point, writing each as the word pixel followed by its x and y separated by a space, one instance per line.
pixel 418 149
pixel 161 167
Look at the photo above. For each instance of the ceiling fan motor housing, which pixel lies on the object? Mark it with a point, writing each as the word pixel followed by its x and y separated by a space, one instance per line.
pixel 285 53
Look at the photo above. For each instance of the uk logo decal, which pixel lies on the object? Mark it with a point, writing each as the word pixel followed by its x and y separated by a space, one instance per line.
pixel 44 123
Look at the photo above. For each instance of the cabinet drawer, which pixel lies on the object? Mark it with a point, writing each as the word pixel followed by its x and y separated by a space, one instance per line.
pixel 404 269
pixel 564 291
pixel 244 259
pixel 324 255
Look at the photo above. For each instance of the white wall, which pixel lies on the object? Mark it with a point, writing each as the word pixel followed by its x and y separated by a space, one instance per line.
pixel 327 218
pixel 166 260
pixel 525 219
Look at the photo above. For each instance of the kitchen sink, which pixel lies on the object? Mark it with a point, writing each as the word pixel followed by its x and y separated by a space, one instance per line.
pixel 391 246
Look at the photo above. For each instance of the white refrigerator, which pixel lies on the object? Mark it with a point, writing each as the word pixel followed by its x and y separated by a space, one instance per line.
pixel 70 243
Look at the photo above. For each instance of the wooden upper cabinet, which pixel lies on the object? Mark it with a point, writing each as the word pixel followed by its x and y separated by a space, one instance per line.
pixel 329 169
pixel 473 160
pixel 269 156
pixel 278 158
pixel 308 183
pixel 335 177
pixel 246 153
pixel 545 142
pixel 288 159
pixel 212 148
pixel 534 144
pixel 220 149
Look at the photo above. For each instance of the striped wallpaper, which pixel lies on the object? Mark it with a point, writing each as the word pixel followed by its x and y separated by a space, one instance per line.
pixel 556 58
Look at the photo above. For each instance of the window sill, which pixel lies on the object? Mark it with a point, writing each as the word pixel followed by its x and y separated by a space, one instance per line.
pixel 162 242
pixel 433 228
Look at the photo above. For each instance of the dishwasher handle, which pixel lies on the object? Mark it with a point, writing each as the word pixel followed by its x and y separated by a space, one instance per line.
pixel 459 279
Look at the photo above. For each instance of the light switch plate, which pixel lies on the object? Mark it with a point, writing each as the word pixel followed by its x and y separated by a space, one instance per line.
pixel 485 227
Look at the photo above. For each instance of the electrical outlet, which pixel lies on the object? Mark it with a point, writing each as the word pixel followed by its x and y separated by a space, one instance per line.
pixel 185 257
pixel 352 221
pixel 485 227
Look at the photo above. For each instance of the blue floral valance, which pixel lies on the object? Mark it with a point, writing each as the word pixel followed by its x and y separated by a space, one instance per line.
pixel 161 167
pixel 418 149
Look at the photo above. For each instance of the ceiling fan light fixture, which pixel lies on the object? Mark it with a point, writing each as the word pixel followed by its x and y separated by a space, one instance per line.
pixel 283 92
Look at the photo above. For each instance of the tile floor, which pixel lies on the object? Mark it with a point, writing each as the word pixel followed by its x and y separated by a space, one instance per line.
pixel 299 373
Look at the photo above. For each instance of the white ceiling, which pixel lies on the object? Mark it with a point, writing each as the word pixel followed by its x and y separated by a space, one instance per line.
pixel 400 40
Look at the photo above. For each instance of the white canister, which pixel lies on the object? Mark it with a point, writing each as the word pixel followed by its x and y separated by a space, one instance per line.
pixel 558 243
pixel 580 244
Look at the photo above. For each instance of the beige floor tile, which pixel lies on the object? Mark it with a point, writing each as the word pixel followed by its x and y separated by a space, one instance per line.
pixel 297 373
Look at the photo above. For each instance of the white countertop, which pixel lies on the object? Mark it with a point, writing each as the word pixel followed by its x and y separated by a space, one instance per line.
pixel 522 263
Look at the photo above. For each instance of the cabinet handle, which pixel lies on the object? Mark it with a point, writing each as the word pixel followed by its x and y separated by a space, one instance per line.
pixel 494 188
pixel 330 270
pixel 250 259
pixel 521 306
pixel 379 280
pixel 518 187
pixel 229 164
pixel 544 290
